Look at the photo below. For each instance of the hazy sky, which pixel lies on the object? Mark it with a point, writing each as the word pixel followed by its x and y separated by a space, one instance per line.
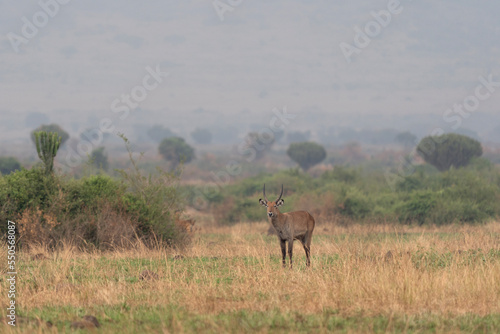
pixel 246 59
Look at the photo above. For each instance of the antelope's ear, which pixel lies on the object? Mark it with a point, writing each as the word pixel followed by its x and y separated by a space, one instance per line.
pixel 280 202
pixel 263 202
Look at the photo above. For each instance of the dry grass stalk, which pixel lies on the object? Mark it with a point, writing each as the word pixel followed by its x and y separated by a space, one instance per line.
pixel 241 271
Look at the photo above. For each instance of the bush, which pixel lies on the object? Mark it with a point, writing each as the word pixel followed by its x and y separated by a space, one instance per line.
pixel 99 158
pixel 354 204
pixel 50 209
pixel 154 200
pixel 226 213
pixel 467 197
pixel 233 211
pixel 410 183
pixel 9 165
pixel 96 211
pixel 417 208
pixel 239 201
pixel 342 174
pixel 86 194
pixel 415 181
pixel 27 189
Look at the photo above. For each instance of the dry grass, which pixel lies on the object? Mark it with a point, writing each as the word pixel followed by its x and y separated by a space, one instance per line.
pixel 370 270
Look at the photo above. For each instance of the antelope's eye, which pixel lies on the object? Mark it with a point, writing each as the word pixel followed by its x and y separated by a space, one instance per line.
pixel 275 206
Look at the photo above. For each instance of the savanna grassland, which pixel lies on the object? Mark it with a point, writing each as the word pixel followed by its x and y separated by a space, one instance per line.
pixel 364 278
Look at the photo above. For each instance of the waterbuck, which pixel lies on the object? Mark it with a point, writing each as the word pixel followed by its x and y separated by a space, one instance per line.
pixel 290 226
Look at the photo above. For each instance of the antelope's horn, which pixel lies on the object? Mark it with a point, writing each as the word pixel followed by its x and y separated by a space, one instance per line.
pixel 281 194
pixel 265 197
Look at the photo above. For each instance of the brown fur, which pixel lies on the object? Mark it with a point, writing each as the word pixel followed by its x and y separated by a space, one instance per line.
pixel 297 225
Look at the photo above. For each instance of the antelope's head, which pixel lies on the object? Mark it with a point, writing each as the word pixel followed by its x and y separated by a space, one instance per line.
pixel 272 207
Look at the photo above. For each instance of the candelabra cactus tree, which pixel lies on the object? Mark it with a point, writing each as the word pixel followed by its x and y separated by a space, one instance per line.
pixel 47 144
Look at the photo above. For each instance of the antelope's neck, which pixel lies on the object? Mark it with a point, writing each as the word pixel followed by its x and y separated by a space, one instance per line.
pixel 279 220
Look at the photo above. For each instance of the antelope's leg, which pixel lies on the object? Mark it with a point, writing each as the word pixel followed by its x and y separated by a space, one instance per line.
pixel 308 256
pixel 283 251
pixel 290 251
pixel 308 246
pixel 307 250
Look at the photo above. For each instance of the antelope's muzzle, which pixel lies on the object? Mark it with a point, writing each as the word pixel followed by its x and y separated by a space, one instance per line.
pixel 270 214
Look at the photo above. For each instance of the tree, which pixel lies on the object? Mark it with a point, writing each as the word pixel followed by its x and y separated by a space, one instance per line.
pixel 51 128
pixel 176 150
pixel 99 158
pixel 158 133
pixel 406 139
pixel 306 154
pixel 258 144
pixel 202 136
pixel 8 165
pixel 47 144
pixel 449 150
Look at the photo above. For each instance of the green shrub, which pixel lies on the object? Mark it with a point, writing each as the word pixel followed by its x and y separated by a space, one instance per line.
pixel 251 212
pixel 354 204
pixel 99 158
pixel 384 206
pixel 465 195
pixel 417 208
pixel 9 165
pixel 96 211
pixel 242 197
pixel 98 187
pixel 88 192
pixel 25 189
pixel 293 180
pixel 410 183
pixel 468 198
pixel 341 174
pixel 154 199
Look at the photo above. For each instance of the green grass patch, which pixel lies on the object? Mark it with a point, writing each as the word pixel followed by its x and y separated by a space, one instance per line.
pixel 126 318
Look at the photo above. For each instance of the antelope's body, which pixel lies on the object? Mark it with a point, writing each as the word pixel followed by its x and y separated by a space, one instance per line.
pixel 297 225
